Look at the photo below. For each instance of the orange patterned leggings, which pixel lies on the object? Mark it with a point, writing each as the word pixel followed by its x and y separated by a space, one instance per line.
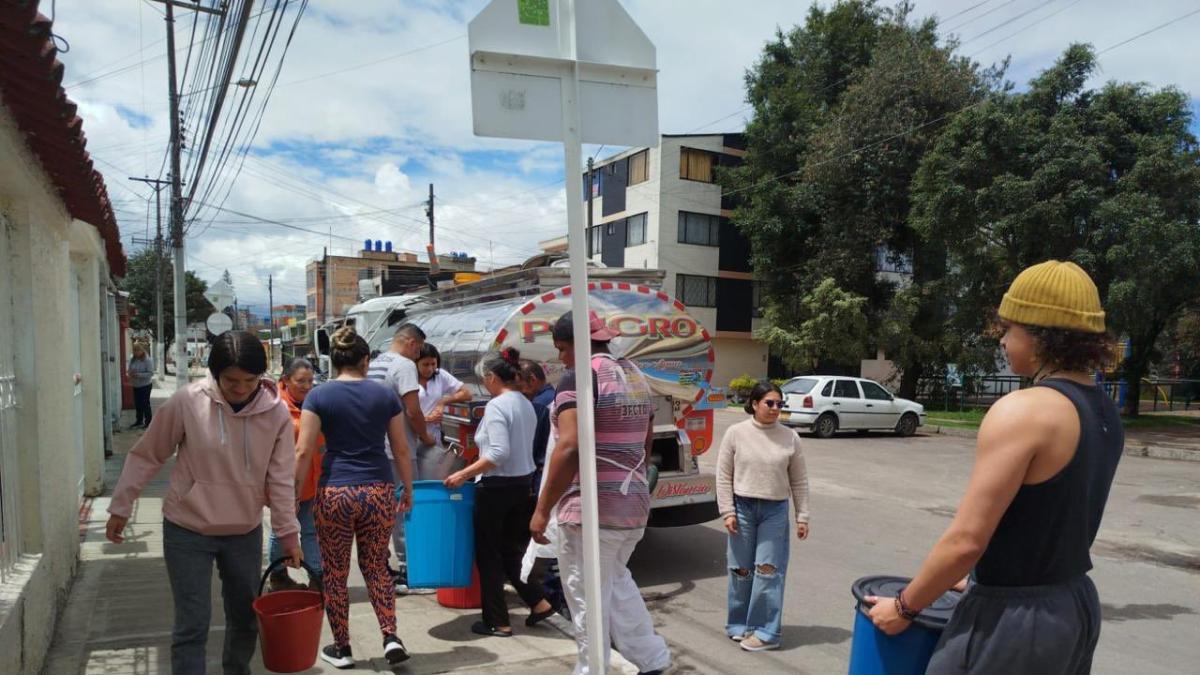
pixel 365 513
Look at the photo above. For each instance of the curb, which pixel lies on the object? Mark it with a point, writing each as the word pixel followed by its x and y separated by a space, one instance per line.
pixel 1176 453
pixel 1181 454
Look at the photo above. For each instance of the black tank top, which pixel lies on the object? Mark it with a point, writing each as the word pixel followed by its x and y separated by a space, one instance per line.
pixel 1044 536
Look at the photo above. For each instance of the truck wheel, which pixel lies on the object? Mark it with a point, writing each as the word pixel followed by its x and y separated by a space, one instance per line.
pixel 907 426
pixel 826 426
pixel 682 516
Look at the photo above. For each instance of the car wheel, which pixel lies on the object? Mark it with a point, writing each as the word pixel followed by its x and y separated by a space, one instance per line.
pixel 907 426
pixel 826 426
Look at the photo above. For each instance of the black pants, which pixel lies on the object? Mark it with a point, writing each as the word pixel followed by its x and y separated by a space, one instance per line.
pixel 502 512
pixel 141 402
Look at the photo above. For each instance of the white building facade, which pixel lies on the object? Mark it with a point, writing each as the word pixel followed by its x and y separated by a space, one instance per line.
pixel 661 208
pixel 60 340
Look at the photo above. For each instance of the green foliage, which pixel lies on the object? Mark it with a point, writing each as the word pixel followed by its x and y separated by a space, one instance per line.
pixel 848 138
pixel 140 281
pixel 779 381
pixel 829 323
pixel 741 386
pixel 1107 178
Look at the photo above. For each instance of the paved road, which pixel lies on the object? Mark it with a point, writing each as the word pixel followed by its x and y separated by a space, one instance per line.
pixel 878 504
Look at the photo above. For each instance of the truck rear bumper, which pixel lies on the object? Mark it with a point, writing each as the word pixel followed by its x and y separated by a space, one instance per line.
pixel 678 489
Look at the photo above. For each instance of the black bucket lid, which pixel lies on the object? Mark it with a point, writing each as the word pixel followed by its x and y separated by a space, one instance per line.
pixel 935 616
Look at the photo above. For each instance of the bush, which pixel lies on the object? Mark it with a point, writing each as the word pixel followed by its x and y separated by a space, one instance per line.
pixel 780 381
pixel 740 386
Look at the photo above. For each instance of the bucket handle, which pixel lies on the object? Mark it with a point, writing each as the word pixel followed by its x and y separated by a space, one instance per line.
pixel 313 575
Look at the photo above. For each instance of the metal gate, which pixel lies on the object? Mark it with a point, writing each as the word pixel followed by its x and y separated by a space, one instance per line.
pixel 10 533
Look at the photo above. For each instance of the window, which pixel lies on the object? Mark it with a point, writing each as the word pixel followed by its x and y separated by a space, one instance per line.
pixel 699 228
pixel 610 228
pixel 639 166
pixel 846 389
pixel 801 385
pixel 595 241
pixel 875 392
pixel 756 301
pixel 696 165
pixel 10 534
pixel 635 230
pixel 695 290
pixel 828 390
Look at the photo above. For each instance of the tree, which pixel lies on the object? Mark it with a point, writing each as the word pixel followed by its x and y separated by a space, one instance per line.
pixel 140 281
pixel 847 153
pixel 794 90
pixel 1106 178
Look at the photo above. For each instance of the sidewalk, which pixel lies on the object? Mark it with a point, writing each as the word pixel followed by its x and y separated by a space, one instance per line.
pixel 119 613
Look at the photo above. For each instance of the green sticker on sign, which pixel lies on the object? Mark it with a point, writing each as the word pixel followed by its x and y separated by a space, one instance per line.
pixel 534 12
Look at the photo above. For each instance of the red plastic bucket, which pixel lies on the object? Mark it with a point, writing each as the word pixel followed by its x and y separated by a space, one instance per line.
pixel 289 625
pixel 462 598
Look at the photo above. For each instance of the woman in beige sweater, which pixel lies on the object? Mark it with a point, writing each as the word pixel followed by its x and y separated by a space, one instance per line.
pixel 760 466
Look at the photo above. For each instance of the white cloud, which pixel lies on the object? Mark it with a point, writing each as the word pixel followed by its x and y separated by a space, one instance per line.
pixel 370 138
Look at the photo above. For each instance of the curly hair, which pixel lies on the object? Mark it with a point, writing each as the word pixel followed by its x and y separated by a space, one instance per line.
pixel 1072 350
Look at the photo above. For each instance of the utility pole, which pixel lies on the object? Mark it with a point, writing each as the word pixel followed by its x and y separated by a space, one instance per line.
pixel 590 196
pixel 429 212
pixel 180 278
pixel 160 354
pixel 271 314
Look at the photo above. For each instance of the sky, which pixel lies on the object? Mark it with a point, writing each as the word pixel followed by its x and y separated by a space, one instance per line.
pixel 373 104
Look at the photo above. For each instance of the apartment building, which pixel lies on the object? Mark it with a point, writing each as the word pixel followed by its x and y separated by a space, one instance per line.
pixel 335 283
pixel 661 208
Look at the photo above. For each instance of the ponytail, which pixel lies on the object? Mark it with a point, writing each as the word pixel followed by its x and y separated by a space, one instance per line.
pixel 506 366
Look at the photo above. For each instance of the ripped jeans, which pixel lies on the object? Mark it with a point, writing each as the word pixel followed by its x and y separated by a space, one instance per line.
pixel 758 558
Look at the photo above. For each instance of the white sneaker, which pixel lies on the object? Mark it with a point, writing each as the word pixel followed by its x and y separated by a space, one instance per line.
pixel 752 644
pixel 338 657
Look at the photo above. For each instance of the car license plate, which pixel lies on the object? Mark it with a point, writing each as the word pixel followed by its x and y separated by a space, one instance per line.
pixel 785 415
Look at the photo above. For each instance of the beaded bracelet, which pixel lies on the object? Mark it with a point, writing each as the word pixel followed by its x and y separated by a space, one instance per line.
pixel 902 607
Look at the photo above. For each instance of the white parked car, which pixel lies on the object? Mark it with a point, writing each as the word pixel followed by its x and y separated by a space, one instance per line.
pixel 829 403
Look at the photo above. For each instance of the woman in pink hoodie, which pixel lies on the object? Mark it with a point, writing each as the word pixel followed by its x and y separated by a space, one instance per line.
pixel 234 451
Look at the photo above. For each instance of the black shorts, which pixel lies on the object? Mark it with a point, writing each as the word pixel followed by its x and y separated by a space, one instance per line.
pixel 1032 630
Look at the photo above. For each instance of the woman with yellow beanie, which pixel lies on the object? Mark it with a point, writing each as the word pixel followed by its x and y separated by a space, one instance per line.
pixel 1044 463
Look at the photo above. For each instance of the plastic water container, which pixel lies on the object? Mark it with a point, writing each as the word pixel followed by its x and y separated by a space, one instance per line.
pixel 439 535
pixel 873 652
pixel 462 598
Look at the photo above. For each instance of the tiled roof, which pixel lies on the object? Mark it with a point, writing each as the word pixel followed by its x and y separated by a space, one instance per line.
pixel 31 89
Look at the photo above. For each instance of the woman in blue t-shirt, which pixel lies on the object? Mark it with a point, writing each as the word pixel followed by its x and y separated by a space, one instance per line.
pixel 356 494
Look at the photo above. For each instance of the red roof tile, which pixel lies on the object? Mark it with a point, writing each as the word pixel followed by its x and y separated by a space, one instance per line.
pixel 31 86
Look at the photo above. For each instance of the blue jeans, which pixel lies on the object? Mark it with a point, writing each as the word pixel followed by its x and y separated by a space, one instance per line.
pixel 190 556
pixel 308 538
pixel 756 595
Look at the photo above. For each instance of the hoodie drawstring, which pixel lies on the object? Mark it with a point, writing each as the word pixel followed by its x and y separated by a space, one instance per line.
pixel 221 419
pixel 245 444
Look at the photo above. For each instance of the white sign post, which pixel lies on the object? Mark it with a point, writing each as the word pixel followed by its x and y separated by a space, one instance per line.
pixel 558 70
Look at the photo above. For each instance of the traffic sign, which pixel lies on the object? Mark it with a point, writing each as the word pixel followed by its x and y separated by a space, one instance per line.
pixel 218 323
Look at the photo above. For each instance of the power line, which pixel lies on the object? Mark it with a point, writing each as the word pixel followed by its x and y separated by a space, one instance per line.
pixel 1145 33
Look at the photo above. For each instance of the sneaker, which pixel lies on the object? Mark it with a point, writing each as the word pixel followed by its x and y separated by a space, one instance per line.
pixel 338 657
pixel 404 589
pixel 753 644
pixel 393 650
pixel 739 638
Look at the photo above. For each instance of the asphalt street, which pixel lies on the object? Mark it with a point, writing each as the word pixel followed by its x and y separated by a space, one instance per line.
pixel 878 503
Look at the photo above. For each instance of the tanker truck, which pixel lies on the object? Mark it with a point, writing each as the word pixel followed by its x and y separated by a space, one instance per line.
pixel 471 323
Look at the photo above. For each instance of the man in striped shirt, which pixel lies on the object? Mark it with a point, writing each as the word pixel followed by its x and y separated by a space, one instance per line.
pixel 624 424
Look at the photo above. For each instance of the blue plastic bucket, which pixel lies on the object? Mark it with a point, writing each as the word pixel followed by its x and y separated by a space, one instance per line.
pixel 439 537
pixel 873 652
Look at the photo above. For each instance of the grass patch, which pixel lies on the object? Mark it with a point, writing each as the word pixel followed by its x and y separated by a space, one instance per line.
pixel 970 419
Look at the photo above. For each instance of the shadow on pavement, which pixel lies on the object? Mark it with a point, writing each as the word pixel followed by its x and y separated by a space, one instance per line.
pixel 1137 612
pixel 795 637
pixel 668 555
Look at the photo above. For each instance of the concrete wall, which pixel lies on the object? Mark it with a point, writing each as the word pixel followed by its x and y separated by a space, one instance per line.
pixel 736 357
pixel 41 270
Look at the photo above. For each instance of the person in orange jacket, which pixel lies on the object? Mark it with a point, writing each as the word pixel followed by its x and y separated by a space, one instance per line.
pixel 294 385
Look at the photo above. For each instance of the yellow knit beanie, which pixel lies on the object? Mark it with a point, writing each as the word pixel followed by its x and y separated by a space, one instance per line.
pixel 1054 294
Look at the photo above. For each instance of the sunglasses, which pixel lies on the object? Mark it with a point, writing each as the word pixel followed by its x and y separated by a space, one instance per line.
pixel 772 403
